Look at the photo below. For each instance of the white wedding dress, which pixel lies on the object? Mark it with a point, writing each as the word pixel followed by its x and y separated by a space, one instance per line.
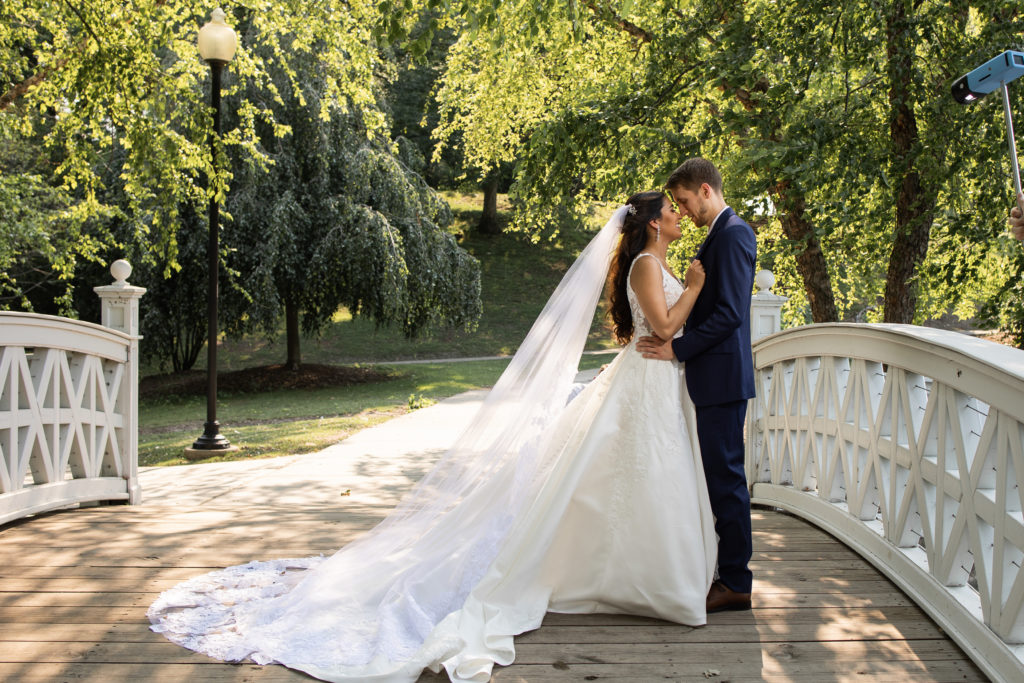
pixel 616 519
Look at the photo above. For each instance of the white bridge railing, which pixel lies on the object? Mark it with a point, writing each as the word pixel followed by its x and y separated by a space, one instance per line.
pixel 907 444
pixel 69 406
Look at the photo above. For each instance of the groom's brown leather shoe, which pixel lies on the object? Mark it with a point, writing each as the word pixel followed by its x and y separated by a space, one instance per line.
pixel 721 598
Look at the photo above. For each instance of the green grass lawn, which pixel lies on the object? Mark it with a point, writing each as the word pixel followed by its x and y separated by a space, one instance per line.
pixel 303 420
pixel 517 278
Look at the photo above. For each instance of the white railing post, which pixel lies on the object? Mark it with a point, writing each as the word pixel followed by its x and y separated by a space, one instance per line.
pixel 765 307
pixel 765 319
pixel 120 311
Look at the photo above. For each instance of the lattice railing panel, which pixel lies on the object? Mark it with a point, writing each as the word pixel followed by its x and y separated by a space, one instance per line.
pixel 907 444
pixel 66 414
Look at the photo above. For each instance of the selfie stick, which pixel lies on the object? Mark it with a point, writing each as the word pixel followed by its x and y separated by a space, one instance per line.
pixel 995 73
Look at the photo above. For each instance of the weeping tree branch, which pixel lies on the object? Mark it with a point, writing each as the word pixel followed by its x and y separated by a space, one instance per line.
pixel 85 23
pixel 627 26
pixel 20 89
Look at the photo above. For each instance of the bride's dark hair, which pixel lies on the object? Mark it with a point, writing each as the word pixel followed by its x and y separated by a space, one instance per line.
pixel 647 207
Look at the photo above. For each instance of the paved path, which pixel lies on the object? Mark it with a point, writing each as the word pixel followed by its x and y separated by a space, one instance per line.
pixel 376 465
pixel 423 361
pixel 373 467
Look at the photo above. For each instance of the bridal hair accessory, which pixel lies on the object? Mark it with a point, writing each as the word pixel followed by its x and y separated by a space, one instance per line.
pixel 631 209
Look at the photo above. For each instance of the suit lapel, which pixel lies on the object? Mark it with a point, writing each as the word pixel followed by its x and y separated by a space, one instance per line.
pixel 715 229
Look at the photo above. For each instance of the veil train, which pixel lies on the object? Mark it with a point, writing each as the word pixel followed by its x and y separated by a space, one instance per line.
pixel 372 605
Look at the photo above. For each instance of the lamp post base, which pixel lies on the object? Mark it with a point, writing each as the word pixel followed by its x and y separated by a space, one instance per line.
pixel 211 443
pixel 194 454
pixel 204 453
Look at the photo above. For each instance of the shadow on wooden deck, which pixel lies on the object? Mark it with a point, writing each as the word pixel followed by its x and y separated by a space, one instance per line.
pixel 75 586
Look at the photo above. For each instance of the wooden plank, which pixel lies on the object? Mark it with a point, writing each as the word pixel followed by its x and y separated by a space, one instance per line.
pixel 935 672
pixel 31 558
pixel 237 550
pixel 797 656
pixel 787 615
pixel 49 672
pixel 148 591
pixel 819 625
pixel 73 602
pixel 100 614
pixel 938 672
pixel 157 652
pixel 49 601
pixel 142 517
pixel 97 572
pixel 123 571
pixel 105 608
pixel 764 580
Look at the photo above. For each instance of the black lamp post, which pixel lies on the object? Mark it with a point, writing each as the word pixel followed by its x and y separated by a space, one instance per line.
pixel 217 43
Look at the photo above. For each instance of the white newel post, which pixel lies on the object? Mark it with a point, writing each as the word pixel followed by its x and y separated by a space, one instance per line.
pixel 765 307
pixel 120 311
pixel 765 319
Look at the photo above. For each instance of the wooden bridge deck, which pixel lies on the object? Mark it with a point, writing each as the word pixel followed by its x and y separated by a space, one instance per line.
pixel 75 585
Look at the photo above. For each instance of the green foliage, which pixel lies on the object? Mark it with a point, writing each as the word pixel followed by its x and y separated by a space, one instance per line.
pixel 44 231
pixel 799 105
pixel 108 126
pixel 824 119
pixel 1005 308
pixel 173 313
pixel 336 219
pixel 92 80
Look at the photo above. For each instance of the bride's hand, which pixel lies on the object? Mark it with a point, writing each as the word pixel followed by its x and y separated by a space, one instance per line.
pixel 694 275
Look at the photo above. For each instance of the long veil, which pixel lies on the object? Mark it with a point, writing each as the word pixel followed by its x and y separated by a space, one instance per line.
pixel 370 608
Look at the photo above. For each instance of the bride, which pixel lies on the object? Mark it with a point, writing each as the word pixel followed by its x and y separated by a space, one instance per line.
pixel 598 505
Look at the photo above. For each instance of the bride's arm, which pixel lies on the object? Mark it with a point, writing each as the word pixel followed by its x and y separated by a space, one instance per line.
pixel 646 282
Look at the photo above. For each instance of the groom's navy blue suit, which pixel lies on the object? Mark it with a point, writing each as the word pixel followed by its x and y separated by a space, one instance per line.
pixel 720 378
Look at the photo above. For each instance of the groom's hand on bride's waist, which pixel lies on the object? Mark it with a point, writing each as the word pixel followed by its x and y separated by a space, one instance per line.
pixel 655 347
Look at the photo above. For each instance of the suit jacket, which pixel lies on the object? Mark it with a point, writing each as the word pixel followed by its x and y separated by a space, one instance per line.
pixel 716 340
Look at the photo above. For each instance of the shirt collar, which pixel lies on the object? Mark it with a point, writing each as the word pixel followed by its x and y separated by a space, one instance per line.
pixel 717 216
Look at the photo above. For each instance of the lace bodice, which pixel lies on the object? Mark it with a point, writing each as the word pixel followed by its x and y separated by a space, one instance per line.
pixel 673 290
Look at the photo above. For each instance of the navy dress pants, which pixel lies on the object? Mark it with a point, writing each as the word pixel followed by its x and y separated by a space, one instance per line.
pixel 720 433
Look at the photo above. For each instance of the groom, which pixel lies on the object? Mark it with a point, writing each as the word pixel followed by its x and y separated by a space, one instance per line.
pixel 719 368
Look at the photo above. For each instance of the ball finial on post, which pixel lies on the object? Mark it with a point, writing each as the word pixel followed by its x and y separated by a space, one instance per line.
pixel 120 269
pixel 764 280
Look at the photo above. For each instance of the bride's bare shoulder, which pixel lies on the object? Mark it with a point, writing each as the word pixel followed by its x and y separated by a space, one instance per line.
pixel 645 271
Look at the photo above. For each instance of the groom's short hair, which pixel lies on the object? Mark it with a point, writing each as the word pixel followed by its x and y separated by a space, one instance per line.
pixel 693 173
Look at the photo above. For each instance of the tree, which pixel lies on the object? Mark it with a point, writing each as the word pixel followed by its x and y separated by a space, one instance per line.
pixel 44 232
pixel 414 108
pixel 92 77
pixel 173 320
pixel 116 99
pixel 833 125
pixel 337 220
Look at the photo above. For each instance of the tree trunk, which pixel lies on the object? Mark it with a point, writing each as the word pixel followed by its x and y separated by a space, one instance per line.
pixel 915 205
pixel 488 224
pixel 810 261
pixel 791 206
pixel 291 319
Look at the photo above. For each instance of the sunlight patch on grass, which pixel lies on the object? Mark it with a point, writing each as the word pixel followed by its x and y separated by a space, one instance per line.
pixel 292 437
pixel 289 422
